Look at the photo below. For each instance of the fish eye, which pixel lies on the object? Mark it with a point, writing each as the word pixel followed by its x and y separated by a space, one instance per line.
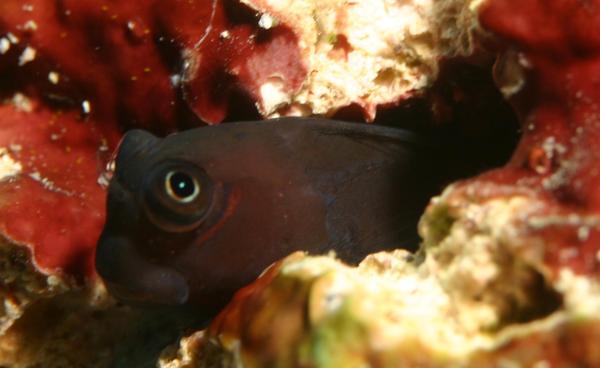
pixel 177 196
pixel 181 186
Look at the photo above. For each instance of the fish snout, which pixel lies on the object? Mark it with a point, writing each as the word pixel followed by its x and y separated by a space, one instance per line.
pixel 132 279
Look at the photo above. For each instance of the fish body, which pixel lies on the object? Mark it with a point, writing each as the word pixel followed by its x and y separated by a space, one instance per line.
pixel 195 216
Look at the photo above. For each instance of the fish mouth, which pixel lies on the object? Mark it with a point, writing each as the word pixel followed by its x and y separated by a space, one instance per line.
pixel 133 280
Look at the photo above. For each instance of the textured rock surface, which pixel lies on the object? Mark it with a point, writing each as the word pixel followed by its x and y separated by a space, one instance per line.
pixel 84 328
pixel 22 283
pixel 474 296
pixel 366 52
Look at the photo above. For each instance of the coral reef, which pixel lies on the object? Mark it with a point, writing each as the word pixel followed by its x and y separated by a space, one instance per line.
pixel 508 272
pixel 75 75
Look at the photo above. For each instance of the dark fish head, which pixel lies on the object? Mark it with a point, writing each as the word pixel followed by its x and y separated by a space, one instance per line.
pixel 128 269
pixel 196 215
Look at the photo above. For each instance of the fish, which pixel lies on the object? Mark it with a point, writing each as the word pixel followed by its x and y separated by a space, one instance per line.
pixel 193 217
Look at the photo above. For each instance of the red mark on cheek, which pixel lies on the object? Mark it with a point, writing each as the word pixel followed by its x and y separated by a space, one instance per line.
pixel 232 202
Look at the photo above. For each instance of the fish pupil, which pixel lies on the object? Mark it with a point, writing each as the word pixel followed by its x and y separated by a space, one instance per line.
pixel 182 185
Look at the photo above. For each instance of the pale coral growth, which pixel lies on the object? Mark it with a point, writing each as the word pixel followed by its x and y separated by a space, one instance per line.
pixel 8 166
pixel 367 52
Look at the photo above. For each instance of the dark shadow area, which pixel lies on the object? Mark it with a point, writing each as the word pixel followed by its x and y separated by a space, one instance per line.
pixel 466 113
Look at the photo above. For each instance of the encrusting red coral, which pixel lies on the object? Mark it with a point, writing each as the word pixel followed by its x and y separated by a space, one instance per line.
pixel 96 56
pixel 234 55
pixel 557 47
pixel 85 70
pixel 81 72
pixel 128 60
pixel 53 202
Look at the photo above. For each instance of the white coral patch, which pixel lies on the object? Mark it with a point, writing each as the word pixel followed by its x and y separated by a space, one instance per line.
pixel 4 45
pixel 53 77
pixel 581 294
pixel 9 167
pixel 273 93
pixel 27 56
pixel 22 103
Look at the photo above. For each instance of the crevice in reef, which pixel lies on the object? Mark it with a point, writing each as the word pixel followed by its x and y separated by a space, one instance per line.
pixel 535 299
pixel 464 108
pixel 544 301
